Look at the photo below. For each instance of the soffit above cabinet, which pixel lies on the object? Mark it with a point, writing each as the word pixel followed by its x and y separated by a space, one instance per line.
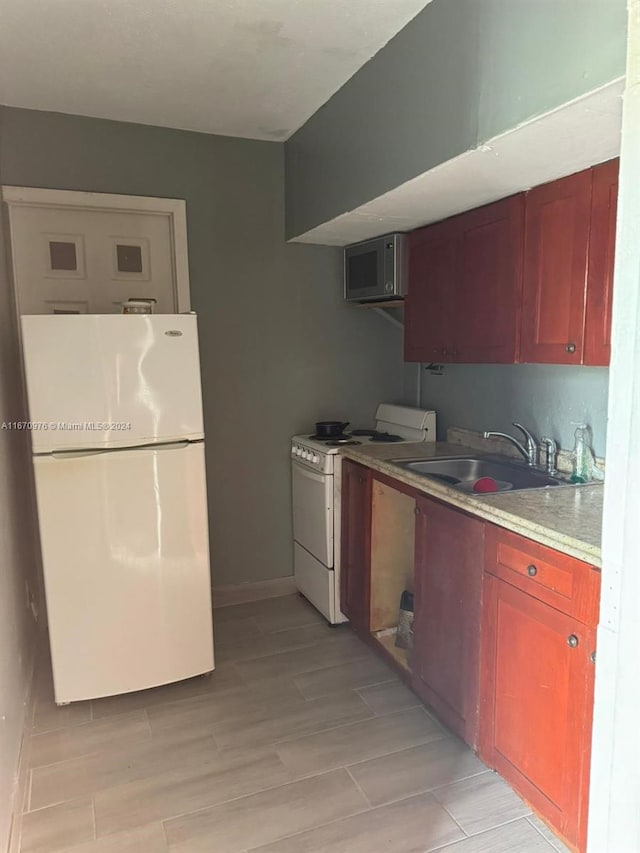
pixel 566 140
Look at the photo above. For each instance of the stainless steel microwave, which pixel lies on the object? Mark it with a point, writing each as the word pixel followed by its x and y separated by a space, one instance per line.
pixel 375 269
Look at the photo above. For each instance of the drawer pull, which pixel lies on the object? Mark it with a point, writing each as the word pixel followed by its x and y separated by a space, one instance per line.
pixel 532 571
pixel 570 348
pixel 572 641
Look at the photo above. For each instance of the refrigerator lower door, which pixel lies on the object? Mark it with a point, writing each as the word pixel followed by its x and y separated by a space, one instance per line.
pixel 125 553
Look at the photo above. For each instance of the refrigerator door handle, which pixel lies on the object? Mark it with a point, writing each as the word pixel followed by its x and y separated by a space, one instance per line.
pixel 79 454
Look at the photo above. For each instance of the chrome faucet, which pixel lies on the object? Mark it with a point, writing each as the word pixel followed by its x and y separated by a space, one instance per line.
pixel 552 451
pixel 530 452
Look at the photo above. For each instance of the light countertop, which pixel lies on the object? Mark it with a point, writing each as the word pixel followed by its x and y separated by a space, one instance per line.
pixel 567 518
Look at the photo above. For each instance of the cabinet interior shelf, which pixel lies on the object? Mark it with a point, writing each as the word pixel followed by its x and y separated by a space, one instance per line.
pixel 388 642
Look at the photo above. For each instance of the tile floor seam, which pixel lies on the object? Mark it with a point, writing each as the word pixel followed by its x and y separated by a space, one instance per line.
pixel 312 828
pixel 65 761
pixel 493 826
pixel 26 805
pixel 148 724
pixel 350 690
pixel 477 835
pixel 291 675
pixel 372 716
pixel 252 794
pixel 164 834
pixel 551 844
pixel 428 790
pixel 356 783
pixel 95 822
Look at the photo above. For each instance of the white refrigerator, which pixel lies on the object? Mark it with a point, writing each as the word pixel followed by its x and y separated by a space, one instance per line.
pixel 115 413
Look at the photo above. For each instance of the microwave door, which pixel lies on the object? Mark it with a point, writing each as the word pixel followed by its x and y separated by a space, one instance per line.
pixel 364 272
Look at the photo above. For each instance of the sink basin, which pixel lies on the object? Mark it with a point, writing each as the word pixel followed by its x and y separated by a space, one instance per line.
pixel 462 472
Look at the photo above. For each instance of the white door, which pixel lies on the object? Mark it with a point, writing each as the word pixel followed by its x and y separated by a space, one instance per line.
pixel 125 553
pixel 75 259
pixel 111 381
pixel 313 512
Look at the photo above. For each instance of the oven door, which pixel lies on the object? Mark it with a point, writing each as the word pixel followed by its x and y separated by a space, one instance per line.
pixel 313 512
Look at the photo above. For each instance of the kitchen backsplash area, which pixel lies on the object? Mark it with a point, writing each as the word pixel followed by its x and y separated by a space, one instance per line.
pixel 548 399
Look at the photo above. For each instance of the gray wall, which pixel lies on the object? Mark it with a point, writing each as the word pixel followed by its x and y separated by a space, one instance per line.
pixel 546 398
pixel 461 72
pixel 279 347
pixel 18 564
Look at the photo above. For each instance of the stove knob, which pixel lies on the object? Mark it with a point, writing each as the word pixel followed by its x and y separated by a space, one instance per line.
pixel 315 458
pixel 305 454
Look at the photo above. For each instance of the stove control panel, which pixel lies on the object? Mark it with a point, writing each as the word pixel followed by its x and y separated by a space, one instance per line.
pixel 322 462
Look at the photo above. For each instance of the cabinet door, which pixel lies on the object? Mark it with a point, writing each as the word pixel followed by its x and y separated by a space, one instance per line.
pixel 448 583
pixel 356 544
pixel 488 292
pixel 557 217
pixel 537 699
pixel 429 301
pixel 604 201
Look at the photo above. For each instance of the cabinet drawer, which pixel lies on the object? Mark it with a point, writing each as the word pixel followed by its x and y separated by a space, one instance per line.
pixel 569 585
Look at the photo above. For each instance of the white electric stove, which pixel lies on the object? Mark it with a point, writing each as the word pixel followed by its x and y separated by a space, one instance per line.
pixel 316 484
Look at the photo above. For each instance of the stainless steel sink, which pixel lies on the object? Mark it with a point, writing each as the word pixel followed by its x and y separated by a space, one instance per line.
pixel 463 472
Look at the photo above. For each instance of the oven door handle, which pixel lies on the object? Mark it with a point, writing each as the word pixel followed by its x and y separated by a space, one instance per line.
pixel 311 473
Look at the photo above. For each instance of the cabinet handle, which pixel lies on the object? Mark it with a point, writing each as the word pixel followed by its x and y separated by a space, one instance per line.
pixel 572 641
pixel 532 570
pixel 416 510
pixel 592 657
pixel 570 348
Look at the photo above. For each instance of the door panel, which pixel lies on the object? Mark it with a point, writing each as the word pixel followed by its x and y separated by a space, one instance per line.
pixel 356 545
pixel 129 602
pixel 115 369
pixel 448 578
pixel 429 301
pixel 488 292
pixel 555 268
pixel 604 205
pixel 313 512
pixel 90 261
pixel 537 700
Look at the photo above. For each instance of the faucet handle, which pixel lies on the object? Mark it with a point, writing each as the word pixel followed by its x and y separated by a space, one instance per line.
pixel 532 446
pixel 551 447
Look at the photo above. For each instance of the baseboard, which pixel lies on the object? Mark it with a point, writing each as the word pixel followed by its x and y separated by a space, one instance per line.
pixel 22 781
pixel 223 596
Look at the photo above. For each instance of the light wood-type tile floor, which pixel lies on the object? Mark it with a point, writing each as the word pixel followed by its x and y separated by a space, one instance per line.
pixel 302 741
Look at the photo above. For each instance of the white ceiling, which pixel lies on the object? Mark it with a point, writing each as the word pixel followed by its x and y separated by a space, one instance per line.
pixel 573 137
pixel 250 68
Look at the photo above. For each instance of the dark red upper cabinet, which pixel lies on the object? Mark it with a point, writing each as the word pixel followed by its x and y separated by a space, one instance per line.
pixel 604 199
pixel 465 286
pixel 488 291
pixel 429 301
pixel 557 219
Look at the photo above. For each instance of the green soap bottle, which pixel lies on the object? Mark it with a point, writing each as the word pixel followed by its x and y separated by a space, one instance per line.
pixel 582 456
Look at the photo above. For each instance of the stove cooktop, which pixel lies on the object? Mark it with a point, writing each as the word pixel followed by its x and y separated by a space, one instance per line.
pixel 376 435
pixel 349 438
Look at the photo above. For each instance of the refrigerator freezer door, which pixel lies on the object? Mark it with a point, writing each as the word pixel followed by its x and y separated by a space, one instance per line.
pixel 126 566
pixel 111 380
